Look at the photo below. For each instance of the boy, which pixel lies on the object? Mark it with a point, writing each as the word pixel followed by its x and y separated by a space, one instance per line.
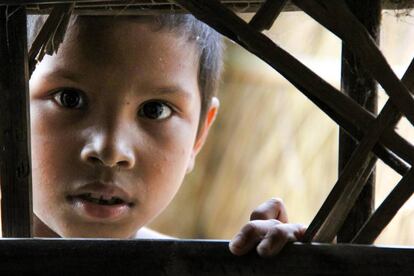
pixel 118 116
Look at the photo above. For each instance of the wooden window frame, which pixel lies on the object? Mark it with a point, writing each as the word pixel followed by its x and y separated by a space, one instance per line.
pixel 20 253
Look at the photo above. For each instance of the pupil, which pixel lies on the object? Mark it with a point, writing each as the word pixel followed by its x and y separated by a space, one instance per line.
pixel 153 110
pixel 70 99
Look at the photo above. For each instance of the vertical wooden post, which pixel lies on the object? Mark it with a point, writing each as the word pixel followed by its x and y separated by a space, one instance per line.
pixel 360 86
pixel 16 201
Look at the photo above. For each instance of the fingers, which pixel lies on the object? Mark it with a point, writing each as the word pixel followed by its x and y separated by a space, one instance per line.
pixel 250 235
pixel 277 237
pixel 271 209
pixel 270 236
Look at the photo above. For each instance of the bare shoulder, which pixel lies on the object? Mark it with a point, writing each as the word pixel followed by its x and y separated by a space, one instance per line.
pixel 146 233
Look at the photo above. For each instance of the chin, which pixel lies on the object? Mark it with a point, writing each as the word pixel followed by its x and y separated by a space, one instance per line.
pixel 98 231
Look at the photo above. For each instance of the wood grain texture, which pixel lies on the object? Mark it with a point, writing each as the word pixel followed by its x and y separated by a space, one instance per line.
pixel 16 203
pixel 195 257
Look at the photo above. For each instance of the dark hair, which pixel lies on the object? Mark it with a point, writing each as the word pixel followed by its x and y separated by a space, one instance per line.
pixel 207 40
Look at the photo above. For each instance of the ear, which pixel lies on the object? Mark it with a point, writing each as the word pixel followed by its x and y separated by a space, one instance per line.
pixel 203 132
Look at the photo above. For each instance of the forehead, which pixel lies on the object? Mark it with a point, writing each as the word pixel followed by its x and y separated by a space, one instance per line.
pixel 108 45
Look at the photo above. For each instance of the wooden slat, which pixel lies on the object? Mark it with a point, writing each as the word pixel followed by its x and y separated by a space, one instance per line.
pixel 387 210
pixel 267 14
pixel 339 107
pixel 15 174
pixel 335 208
pixel 335 16
pixel 194 257
pixel 358 84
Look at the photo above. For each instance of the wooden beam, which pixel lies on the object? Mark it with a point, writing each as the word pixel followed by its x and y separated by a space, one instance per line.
pixel 195 257
pixel 16 201
pixel 267 14
pixel 336 17
pixel 387 210
pixel 344 111
pixel 359 85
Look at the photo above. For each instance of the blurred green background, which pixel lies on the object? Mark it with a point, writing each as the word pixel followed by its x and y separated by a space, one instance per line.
pixel 270 141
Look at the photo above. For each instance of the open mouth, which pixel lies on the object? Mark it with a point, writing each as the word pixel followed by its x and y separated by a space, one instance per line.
pixel 97 206
pixel 101 200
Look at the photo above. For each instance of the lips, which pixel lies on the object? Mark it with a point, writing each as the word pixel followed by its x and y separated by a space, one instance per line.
pixel 101 202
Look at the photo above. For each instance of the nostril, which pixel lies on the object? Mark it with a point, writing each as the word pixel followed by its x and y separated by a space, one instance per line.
pixel 123 164
pixel 94 160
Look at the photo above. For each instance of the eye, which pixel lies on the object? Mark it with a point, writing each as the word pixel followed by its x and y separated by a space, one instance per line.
pixel 70 98
pixel 155 110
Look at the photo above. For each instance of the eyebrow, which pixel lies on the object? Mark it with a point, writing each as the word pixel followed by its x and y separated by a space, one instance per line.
pixel 165 90
pixel 62 73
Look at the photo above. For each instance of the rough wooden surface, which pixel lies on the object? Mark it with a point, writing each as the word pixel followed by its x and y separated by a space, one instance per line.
pixel 195 257
pixel 16 200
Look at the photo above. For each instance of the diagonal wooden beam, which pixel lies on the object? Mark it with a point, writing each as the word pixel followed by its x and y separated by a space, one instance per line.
pixel 387 210
pixel 267 14
pixel 335 16
pixel 343 110
pixel 340 200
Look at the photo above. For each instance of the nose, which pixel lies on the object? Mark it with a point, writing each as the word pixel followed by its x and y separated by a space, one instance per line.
pixel 108 149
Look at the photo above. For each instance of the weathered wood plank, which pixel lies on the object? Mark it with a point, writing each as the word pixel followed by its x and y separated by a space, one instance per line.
pixel 195 257
pixel 344 111
pixel 15 173
pixel 358 84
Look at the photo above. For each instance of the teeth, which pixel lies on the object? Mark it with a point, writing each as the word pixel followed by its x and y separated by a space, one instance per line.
pixel 100 199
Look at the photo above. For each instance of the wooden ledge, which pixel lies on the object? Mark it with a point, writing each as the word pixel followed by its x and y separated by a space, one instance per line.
pixel 195 257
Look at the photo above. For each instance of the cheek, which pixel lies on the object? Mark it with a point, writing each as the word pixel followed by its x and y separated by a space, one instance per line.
pixel 166 162
pixel 52 150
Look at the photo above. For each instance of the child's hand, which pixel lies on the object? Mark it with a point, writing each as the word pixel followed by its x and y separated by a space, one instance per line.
pixel 268 230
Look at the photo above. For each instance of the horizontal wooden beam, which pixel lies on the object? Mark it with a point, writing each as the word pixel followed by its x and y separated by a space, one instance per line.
pixel 195 257
pixel 105 7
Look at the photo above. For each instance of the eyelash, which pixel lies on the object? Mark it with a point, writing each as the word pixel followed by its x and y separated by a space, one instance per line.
pixel 80 103
pixel 141 110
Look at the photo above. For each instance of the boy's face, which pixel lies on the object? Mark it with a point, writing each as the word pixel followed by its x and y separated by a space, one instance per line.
pixel 114 127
